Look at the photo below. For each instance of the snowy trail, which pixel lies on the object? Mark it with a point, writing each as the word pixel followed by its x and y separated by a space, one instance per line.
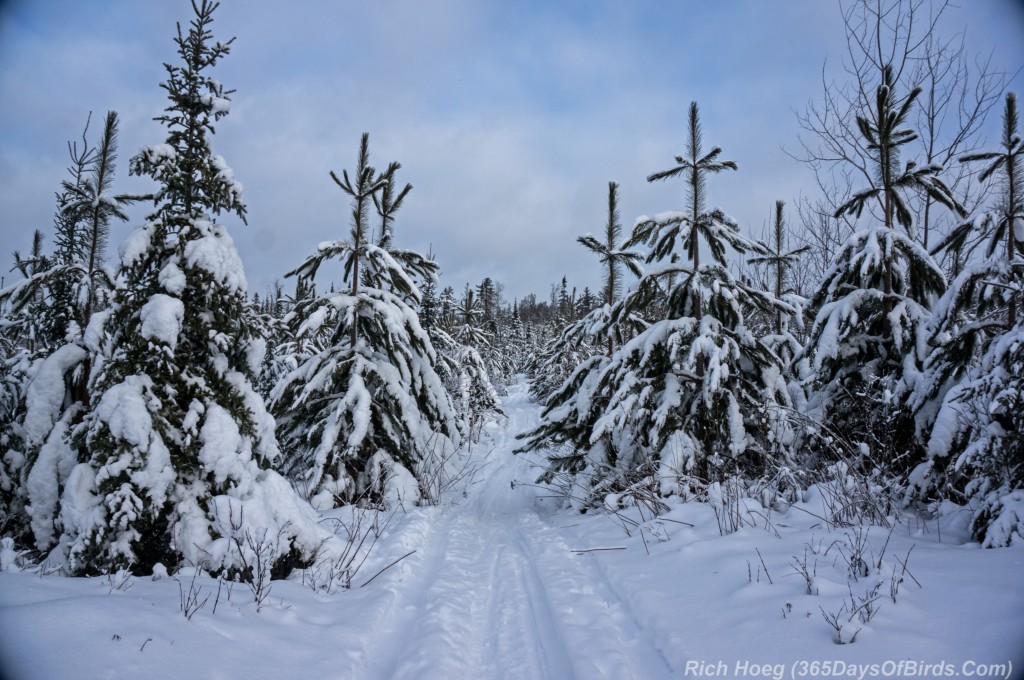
pixel 498 592
pixel 491 589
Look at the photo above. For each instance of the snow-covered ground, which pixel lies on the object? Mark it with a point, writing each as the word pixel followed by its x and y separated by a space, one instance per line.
pixel 506 583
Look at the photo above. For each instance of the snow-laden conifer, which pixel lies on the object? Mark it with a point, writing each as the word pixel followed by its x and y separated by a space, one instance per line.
pixel 15 371
pixel 358 414
pixel 871 307
pixel 465 375
pixel 62 296
pixel 567 373
pixel 685 387
pixel 776 267
pixel 181 444
pixel 975 438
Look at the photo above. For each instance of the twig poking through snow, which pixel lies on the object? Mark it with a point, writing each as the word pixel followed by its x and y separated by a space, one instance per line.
pixel 765 567
pixel 387 567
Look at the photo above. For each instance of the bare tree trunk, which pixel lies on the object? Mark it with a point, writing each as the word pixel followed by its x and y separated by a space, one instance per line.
pixel 1010 220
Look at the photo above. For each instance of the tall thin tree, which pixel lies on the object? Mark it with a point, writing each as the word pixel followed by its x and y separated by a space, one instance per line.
pixel 1011 214
pixel 90 202
pixel 779 260
pixel 610 252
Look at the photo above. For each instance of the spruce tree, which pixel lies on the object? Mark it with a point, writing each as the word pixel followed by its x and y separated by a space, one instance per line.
pixel 674 400
pixel 360 412
pixel 62 295
pixel 21 333
pixel 15 370
pixel 465 375
pixel 468 329
pixel 981 302
pixel 875 300
pixel 884 134
pixel 611 256
pixel 575 355
pixel 778 263
pixel 687 386
pixel 975 443
pixel 180 442
pixel 429 310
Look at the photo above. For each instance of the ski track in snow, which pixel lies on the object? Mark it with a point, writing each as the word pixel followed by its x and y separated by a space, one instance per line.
pixel 490 588
pixel 498 592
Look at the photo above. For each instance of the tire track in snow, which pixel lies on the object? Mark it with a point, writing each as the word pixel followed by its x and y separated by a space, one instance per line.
pixel 529 641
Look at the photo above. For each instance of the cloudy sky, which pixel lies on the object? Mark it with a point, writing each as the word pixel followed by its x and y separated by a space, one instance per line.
pixel 509 117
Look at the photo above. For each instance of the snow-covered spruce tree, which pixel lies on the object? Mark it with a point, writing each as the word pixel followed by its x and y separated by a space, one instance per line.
pixel 282 349
pixel 429 309
pixel 570 407
pixel 687 386
pixel 495 353
pixel 517 347
pixel 775 267
pixel 464 373
pixel 180 442
pixel 713 370
pixel 41 305
pixel 62 295
pixel 29 323
pixel 358 417
pixel 976 369
pixel 80 286
pixel 874 301
pixel 773 272
pixel 277 339
pixel 467 329
pixel 22 339
pixel 15 370
pixel 614 259
pixel 552 361
pixel 461 367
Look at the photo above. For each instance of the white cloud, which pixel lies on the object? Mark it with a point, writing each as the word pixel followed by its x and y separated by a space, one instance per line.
pixel 509 118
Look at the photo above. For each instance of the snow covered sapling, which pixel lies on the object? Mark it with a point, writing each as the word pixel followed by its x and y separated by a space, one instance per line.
pixel 875 299
pixel 64 293
pixel 467 329
pixel 61 291
pixel 461 366
pixel 614 258
pixel 687 385
pixel 884 134
pixel 977 365
pixel 180 442
pixel 776 266
pixel 14 375
pixel 774 271
pixel 983 292
pixel 356 416
pixel 475 396
pixel 572 364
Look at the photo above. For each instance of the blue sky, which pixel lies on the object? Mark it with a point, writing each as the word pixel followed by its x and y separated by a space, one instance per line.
pixel 509 117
